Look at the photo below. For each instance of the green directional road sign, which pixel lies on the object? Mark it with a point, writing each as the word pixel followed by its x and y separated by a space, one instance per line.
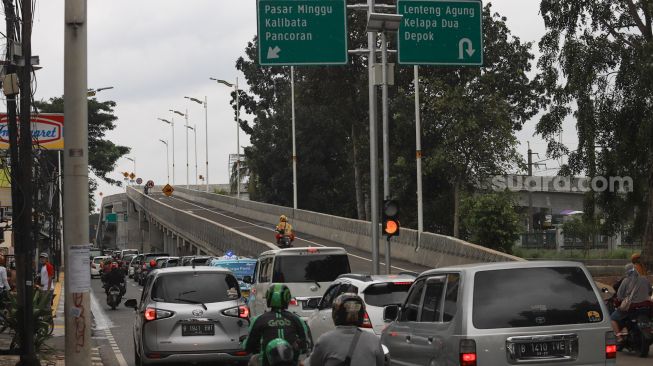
pixel 302 32
pixel 440 32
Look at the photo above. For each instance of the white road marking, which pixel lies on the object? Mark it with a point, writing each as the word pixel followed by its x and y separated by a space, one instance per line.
pixel 103 323
pixel 267 228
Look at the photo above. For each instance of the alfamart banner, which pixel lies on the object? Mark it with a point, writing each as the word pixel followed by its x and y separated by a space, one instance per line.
pixel 47 131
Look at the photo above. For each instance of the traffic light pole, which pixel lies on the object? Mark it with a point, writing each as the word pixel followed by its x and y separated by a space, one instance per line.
pixel 77 281
pixel 386 144
pixel 374 163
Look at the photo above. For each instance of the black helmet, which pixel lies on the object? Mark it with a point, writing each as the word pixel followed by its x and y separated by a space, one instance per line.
pixel 348 309
pixel 279 352
pixel 278 296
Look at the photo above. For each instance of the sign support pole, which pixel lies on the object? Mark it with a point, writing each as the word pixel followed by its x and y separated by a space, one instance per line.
pixel 206 136
pixel 418 156
pixel 187 166
pixel 237 140
pixel 294 146
pixel 374 163
pixel 77 281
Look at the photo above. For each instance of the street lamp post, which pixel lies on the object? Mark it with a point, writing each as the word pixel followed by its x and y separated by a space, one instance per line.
pixel 167 159
pixel 92 92
pixel 194 129
pixel 172 127
pixel 237 91
pixel 185 115
pixel 133 160
pixel 206 136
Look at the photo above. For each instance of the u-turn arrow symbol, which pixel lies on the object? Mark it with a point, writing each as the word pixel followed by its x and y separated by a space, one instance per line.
pixel 470 49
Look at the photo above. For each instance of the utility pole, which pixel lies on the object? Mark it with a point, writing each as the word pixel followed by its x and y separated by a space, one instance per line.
pixel 530 193
pixel 294 146
pixel 418 157
pixel 77 281
pixel 23 234
pixel 374 162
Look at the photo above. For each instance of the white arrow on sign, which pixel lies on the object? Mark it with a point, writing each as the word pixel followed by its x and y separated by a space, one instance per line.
pixel 470 50
pixel 273 52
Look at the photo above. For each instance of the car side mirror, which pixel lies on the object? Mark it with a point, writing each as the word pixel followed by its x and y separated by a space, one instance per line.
pixel 247 279
pixel 131 303
pixel 390 313
pixel 312 303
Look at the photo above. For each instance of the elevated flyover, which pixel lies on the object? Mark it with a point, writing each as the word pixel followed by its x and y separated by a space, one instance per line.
pixel 195 222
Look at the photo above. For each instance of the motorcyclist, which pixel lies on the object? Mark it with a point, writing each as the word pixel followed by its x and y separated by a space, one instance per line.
pixel 277 323
pixel 347 344
pixel 116 277
pixel 639 266
pixel 284 228
pixel 637 288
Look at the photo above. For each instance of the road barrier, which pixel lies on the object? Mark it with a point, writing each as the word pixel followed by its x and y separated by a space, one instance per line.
pixel 434 250
pixel 211 237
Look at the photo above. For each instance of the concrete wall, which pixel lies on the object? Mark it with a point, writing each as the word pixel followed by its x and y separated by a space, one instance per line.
pixel 191 232
pixel 434 250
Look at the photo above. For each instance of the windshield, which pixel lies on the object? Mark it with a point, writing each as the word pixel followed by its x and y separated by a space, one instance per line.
pixel 528 297
pixel 382 294
pixel 128 258
pixel 240 269
pixel 310 268
pixel 195 287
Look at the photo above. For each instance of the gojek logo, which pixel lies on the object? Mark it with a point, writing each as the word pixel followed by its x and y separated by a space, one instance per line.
pixel 47 131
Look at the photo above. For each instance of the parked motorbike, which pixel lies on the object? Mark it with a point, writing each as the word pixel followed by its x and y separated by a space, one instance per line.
pixel 639 325
pixel 114 295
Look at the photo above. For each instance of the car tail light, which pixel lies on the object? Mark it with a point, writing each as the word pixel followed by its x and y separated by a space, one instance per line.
pixel 610 345
pixel 403 283
pixel 312 250
pixel 93 266
pixel 366 321
pixel 144 266
pixel 293 302
pixel 467 352
pixel 240 353
pixel 241 311
pixel 154 314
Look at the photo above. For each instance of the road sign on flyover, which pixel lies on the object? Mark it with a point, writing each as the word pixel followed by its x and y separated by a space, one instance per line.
pixel 302 32
pixel 440 32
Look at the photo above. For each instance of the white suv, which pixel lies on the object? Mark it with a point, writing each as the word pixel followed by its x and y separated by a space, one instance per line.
pixel 377 291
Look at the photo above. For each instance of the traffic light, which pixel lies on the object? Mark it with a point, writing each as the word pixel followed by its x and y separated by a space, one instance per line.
pixel 390 218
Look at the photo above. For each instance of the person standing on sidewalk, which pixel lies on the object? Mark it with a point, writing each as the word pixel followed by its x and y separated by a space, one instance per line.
pixel 4 283
pixel 47 276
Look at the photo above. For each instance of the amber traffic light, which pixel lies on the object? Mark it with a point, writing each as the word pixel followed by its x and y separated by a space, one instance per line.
pixel 390 219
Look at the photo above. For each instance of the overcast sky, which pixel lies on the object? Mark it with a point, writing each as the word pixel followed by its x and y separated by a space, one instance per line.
pixel 155 52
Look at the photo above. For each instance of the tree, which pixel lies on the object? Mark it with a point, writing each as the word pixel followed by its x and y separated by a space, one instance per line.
pixel 491 221
pixel 597 67
pixel 103 153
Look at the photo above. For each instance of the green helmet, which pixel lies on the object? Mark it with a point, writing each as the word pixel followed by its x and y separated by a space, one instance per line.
pixel 279 352
pixel 278 296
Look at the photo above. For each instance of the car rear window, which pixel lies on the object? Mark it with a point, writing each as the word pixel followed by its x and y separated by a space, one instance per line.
pixel 97 260
pixel 309 268
pixel 172 263
pixel 200 261
pixel 382 294
pixel 193 287
pixel 532 297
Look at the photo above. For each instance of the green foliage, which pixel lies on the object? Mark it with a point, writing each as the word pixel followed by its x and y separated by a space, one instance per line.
pixel 571 254
pixel 597 67
pixel 41 315
pixel 491 221
pixel 103 153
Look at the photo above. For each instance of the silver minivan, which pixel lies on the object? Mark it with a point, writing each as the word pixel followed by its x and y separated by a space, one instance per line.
pixel 306 271
pixel 188 315
pixel 535 313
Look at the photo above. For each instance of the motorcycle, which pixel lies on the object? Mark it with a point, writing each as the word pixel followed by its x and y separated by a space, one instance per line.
pixel 285 242
pixel 114 295
pixel 639 325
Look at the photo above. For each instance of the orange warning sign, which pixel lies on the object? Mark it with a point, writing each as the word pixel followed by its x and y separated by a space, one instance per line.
pixel 167 190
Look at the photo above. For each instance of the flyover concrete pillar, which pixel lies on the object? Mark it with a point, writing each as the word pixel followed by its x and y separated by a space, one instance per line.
pixel 134 238
pixel 156 237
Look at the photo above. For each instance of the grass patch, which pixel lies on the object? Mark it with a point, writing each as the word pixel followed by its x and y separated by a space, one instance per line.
pixel 573 254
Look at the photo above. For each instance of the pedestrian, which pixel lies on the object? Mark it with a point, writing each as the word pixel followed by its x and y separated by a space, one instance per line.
pixel 4 283
pixel 47 276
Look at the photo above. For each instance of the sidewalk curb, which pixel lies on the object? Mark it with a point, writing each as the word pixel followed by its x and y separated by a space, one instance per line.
pixel 57 293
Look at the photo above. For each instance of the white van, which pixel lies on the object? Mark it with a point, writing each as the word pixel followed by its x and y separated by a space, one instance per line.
pixel 306 271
